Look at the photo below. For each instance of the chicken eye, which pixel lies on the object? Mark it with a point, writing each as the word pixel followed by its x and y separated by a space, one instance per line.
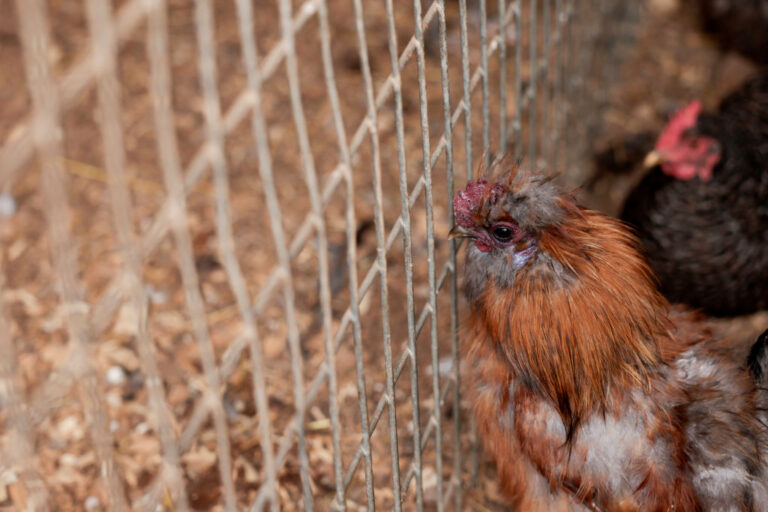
pixel 503 233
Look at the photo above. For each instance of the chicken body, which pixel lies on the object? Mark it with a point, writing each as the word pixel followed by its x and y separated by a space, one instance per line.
pixel 738 25
pixel 589 391
pixel 707 238
pixel 688 442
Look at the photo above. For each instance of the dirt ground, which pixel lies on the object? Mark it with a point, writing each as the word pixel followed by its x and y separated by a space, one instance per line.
pixel 670 63
pixel 65 456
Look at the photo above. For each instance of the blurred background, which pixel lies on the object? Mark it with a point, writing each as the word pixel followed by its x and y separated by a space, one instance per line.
pixel 225 276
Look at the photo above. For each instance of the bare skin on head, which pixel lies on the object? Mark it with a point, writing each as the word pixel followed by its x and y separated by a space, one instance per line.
pixel 681 151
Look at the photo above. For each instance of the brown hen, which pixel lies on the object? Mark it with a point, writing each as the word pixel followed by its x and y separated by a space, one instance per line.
pixel 589 390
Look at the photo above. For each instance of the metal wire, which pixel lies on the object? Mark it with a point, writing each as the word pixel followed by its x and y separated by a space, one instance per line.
pixel 103 46
pixel 410 113
pixel 405 215
pixel 436 419
pixel 381 260
pixel 46 134
pixel 20 454
pixel 167 149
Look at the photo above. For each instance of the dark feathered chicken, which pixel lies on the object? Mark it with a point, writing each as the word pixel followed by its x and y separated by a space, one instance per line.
pixel 702 212
pixel 738 25
pixel 622 156
pixel 590 392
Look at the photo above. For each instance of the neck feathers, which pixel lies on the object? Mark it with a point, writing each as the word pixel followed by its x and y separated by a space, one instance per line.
pixel 583 318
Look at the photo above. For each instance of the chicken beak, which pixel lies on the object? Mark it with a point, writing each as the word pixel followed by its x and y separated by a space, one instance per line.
pixel 459 232
pixel 652 159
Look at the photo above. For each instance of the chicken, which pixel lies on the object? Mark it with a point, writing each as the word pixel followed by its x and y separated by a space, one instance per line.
pixel 702 213
pixel 590 392
pixel 622 156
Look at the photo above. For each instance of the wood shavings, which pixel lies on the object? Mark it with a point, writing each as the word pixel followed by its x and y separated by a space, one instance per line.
pixel 112 353
pixel 199 460
pixel 70 428
pixel 65 456
pixel 127 321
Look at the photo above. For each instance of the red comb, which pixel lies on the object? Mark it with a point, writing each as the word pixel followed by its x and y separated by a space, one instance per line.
pixel 679 122
pixel 468 201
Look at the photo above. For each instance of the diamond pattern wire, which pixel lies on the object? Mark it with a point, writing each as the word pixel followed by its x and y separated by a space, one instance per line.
pixel 459 82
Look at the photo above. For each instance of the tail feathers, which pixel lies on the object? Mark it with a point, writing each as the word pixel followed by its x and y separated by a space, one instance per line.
pixel 757 361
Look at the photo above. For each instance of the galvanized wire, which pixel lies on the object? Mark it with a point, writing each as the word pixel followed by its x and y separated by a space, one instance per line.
pixel 19 454
pixel 351 241
pixel 533 80
pixel 47 136
pixel 435 420
pixel 517 122
pixel 548 91
pixel 486 109
pixel 104 48
pixel 455 482
pixel 258 126
pixel 174 182
pixel 502 17
pixel 20 146
pixel 381 259
pixel 405 216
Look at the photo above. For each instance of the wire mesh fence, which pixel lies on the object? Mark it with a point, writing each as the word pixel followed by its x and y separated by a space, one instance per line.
pixel 226 278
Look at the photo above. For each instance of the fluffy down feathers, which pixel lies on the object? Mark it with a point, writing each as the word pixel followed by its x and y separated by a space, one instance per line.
pixel 590 392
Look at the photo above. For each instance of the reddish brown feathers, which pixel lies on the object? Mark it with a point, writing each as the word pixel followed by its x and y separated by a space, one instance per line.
pixel 589 391
pixel 573 339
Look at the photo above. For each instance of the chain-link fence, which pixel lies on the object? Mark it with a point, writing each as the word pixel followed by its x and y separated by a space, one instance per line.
pixel 226 279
